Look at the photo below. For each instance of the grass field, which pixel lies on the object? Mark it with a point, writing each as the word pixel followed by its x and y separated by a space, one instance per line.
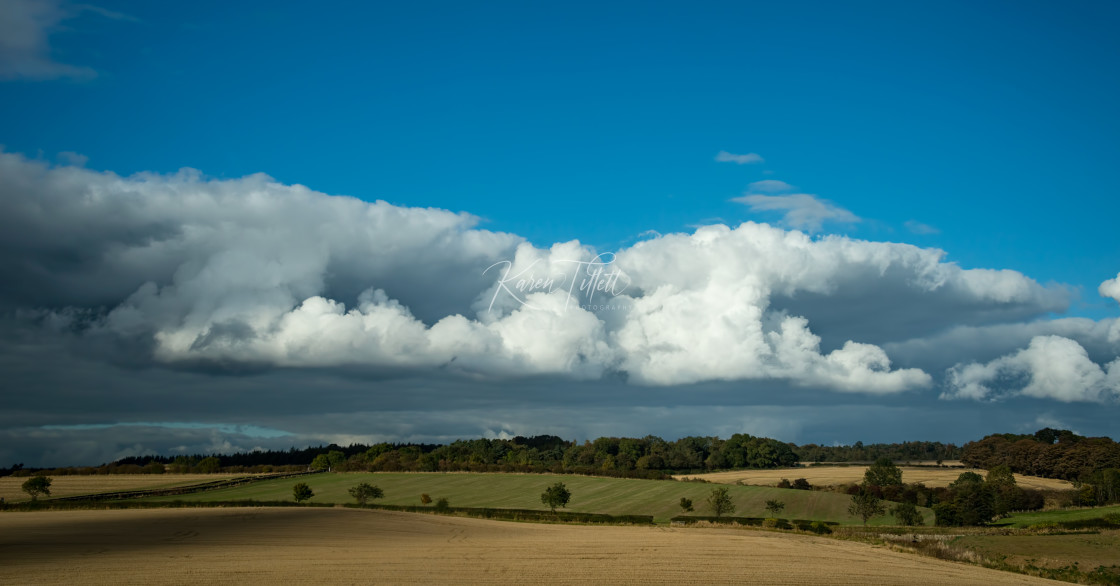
pixel 614 496
pixel 832 475
pixel 335 545
pixel 1088 550
pixel 1057 516
pixel 78 485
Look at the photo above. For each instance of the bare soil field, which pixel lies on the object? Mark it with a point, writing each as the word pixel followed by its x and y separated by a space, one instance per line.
pixel 828 475
pixel 77 485
pixel 304 545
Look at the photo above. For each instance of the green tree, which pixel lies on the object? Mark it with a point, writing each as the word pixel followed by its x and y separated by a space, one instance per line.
pixel 908 514
pixel 686 505
pixel 719 502
pixel 865 505
pixel 302 492
pixel 364 491
pixel 775 507
pixel 1006 496
pixel 37 485
pixel 210 465
pixel 883 473
pixel 556 495
pixel 443 505
pixel 336 459
pixel 321 462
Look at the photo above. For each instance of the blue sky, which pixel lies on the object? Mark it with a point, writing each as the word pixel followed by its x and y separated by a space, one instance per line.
pixel 987 131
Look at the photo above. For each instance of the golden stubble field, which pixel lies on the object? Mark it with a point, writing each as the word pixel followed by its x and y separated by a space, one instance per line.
pixel 75 485
pixel 345 546
pixel 831 475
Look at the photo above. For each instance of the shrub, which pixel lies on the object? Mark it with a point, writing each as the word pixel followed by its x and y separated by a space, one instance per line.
pixel 443 505
pixel 686 504
pixel 776 524
pixel 425 499
pixel 802 484
pixel 908 514
pixel 784 483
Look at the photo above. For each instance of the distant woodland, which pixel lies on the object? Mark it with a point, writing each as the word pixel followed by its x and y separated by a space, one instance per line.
pixel 647 457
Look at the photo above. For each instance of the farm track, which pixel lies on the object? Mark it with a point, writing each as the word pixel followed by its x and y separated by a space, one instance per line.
pixel 246 546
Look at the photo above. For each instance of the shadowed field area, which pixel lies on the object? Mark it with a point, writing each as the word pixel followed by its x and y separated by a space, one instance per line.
pixel 78 485
pixel 827 475
pixel 272 545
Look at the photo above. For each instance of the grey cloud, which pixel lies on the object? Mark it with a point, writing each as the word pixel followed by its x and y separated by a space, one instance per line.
pixel 25 52
pixel 799 210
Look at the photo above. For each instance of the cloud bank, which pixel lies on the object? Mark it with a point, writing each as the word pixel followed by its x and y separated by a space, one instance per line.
pixel 182 298
pixel 188 271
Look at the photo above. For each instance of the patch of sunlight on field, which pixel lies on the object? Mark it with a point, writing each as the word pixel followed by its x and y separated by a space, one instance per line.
pixel 613 496
pixel 833 475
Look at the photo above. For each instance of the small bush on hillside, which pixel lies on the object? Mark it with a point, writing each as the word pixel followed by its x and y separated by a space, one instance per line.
pixel 776 524
pixel 819 527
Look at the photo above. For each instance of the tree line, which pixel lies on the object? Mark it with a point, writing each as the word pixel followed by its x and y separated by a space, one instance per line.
pixel 647 457
pixel 1052 453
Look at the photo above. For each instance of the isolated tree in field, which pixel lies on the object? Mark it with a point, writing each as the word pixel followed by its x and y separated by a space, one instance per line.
pixel 865 505
pixel 443 504
pixel 719 502
pixel 908 514
pixel 686 505
pixel 37 485
pixel 302 492
pixel 775 507
pixel 883 473
pixel 364 491
pixel 556 495
pixel 425 499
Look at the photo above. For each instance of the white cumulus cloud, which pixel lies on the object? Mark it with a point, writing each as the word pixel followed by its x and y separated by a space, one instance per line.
pixel 198 271
pixel 1050 367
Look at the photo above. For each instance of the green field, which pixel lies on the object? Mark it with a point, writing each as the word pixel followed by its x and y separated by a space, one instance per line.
pixel 1057 516
pixel 614 496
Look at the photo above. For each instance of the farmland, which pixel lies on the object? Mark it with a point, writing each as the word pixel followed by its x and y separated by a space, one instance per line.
pixel 302 545
pixel 832 475
pixel 613 496
pixel 1059 516
pixel 62 486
